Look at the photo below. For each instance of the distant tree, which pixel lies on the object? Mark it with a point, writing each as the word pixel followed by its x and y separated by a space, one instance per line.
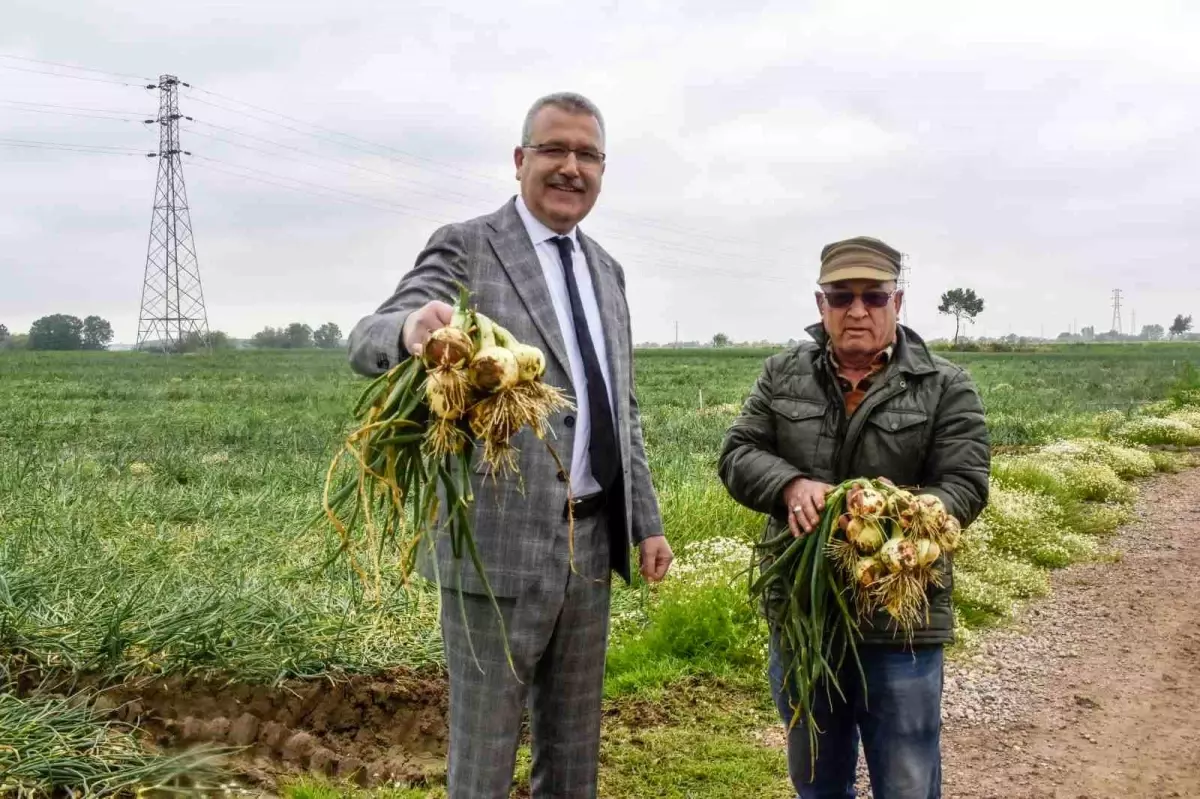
pixel 97 333
pixel 56 332
pixel 268 338
pixel 328 336
pixel 1181 325
pixel 195 341
pixel 1152 332
pixel 298 336
pixel 720 340
pixel 19 342
pixel 5 337
pixel 961 304
pixel 219 340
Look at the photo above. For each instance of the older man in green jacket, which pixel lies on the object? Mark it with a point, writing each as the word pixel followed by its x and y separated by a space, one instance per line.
pixel 866 398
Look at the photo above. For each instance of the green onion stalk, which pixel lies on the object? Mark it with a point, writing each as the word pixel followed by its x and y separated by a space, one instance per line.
pixel 877 547
pixel 408 462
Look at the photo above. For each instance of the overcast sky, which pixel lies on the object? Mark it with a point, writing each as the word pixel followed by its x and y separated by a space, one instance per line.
pixel 1042 153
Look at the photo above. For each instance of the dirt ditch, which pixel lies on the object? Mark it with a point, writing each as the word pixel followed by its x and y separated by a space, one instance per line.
pixel 371 729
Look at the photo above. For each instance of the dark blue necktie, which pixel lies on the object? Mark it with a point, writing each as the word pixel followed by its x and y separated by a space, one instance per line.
pixel 602 446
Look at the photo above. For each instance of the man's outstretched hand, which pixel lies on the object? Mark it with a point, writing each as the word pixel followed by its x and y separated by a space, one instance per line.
pixel 420 323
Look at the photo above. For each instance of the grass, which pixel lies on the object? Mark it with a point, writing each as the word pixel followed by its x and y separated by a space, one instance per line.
pixel 49 740
pixel 154 520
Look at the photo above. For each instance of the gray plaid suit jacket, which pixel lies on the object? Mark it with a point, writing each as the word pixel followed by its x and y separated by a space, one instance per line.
pixel 494 258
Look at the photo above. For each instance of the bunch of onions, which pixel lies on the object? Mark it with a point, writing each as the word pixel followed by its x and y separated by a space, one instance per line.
pixel 418 427
pixel 887 545
pixel 876 547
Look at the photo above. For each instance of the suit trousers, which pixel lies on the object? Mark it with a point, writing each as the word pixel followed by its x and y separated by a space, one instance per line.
pixel 558 633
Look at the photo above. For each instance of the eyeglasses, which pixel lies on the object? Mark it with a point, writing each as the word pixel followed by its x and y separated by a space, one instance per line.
pixel 556 152
pixel 844 298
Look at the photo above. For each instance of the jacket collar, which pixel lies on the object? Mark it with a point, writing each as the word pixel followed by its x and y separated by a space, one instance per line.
pixel 909 355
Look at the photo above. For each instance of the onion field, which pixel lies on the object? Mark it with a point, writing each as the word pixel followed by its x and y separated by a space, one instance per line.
pixel 171 615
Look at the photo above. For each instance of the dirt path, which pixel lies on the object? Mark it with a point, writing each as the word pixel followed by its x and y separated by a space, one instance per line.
pixel 1095 693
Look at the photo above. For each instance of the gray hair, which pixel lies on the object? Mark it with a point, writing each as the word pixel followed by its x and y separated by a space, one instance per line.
pixel 568 101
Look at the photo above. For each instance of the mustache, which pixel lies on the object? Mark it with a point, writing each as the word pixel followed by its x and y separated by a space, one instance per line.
pixel 561 183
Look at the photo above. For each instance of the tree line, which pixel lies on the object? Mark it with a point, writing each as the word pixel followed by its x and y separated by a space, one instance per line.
pixel 60 332
pixel 965 305
pixel 66 332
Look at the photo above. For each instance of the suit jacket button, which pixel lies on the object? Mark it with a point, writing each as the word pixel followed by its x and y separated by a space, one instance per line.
pixel 562 476
pixel 569 421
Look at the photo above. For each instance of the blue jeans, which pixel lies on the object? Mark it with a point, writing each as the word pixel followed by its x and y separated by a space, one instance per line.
pixel 899 721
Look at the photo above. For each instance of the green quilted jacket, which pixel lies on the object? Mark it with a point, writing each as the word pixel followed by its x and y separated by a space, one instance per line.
pixel 920 425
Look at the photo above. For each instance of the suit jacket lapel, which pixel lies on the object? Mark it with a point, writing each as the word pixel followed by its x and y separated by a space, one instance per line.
pixel 604 283
pixel 514 250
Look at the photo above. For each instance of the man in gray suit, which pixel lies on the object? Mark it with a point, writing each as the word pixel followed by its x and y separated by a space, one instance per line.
pixel 530 267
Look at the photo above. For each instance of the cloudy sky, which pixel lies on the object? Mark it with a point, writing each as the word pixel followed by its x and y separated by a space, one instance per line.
pixel 1042 153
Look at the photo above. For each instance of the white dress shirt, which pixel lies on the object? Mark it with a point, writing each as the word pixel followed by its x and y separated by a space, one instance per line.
pixel 582 481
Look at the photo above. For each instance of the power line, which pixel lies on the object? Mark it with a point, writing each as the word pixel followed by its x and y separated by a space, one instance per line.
pixel 438 166
pixel 360 199
pixel 72 66
pixel 434 165
pixel 205 162
pixel 441 194
pixel 426 163
pixel 125 112
pixel 73 114
pixel 434 191
pixel 72 77
pixel 82 148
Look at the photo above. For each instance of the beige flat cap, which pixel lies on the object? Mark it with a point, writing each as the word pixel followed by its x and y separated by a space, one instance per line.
pixel 862 258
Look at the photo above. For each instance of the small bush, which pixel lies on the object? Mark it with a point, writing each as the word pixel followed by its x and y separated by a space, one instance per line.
pixel 978 603
pixel 1030 526
pixel 1128 463
pixel 1188 416
pixel 1041 475
pixel 1067 549
pixel 1016 578
pixel 1108 421
pixel 1159 432
pixel 1169 462
pixel 1089 518
pixel 1187 398
pixel 1096 482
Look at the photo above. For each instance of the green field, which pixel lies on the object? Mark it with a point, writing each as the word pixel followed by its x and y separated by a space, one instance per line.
pixel 154 526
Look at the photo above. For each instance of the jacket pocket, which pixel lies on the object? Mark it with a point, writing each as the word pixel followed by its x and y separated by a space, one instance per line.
pixel 895 444
pixel 804 436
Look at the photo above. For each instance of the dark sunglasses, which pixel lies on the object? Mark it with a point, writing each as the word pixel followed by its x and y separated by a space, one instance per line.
pixel 844 298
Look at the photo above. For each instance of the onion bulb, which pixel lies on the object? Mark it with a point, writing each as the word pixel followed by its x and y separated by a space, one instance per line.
pixel 950 533
pixel 927 551
pixel 867 503
pixel 867 572
pixel 898 554
pixel 531 363
pixel 440 401
pixel 932 509
pixel 866 534
pixel 494 369
pixel 900 506
pixel 447 347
